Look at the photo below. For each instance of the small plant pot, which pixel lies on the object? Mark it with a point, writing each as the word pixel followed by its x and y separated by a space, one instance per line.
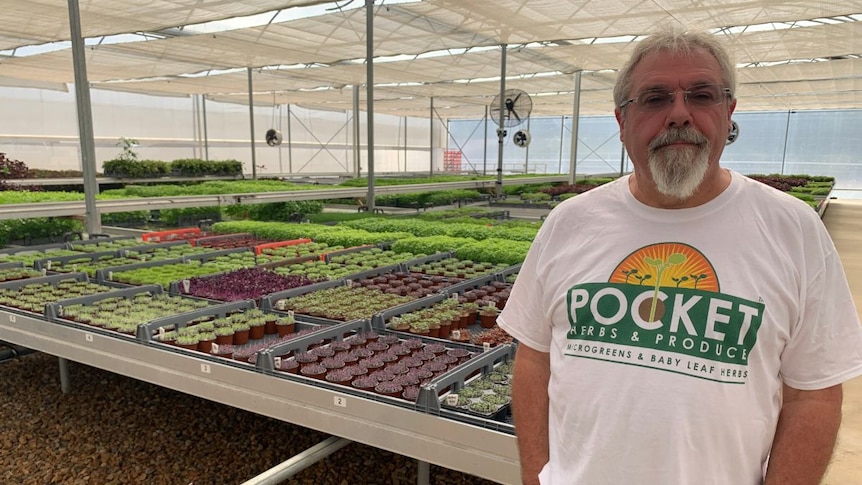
pixel 434 332
pixel 284 330
pixel 240 337
pixel 224 339
pixel 269 328
pixel 193 346
pixel 255 333
pixel 444 330
pixel 205 346
pixel 488 321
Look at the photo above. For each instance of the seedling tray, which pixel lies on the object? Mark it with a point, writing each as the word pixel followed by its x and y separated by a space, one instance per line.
pixel 52 263
pixel 52 280
pixel 433 396
pixel 378 321
pixel 425 259
pixel 41 247
pixel 266 360
pixel 269 302
pixel 107 274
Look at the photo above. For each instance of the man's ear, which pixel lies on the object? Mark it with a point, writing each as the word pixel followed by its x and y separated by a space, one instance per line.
pixel 620 121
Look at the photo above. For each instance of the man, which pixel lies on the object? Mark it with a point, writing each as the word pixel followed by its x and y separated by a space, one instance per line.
pixel 684 324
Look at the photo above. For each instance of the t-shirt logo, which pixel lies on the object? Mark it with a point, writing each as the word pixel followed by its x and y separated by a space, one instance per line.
pixel 662 308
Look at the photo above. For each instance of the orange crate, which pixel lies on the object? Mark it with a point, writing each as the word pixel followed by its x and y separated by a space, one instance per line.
pixel 172 235
pixel 259 249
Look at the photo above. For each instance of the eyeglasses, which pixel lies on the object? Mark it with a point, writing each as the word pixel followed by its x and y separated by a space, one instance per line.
pixel 700 96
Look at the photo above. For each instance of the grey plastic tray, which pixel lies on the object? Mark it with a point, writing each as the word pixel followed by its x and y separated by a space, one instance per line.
pixel 501 276
pixel 266 360
pixel 54 311
pixel 50 279
pixel 40 247
pixel 268 302
pixel 49 262
pixel 106 274
pixel 426 259
pixel 145 330
pixel 430 394
pixel 378 321
pixel 12 264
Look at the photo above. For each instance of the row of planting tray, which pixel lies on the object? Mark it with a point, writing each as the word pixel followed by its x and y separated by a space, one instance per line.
pixel 455 380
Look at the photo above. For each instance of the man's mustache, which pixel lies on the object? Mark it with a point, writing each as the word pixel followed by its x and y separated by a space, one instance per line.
pixel 676 135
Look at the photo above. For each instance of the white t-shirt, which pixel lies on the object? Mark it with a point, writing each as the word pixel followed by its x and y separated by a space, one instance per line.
pixel 671 331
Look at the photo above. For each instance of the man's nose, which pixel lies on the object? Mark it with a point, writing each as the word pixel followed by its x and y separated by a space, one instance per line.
pixel 679 114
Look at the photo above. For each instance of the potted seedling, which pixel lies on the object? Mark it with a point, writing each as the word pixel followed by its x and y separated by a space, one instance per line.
pixel 488 315
pixel 285 325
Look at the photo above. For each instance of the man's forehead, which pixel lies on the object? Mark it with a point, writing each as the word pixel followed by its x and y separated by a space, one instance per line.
pixel 661 69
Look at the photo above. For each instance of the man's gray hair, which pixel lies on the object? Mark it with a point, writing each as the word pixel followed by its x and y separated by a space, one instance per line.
pixel 676 41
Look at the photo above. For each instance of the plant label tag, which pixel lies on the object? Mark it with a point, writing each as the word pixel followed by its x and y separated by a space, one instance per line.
pixel 456 334
pixel 454 296
pixel 75 267
pixel 279 305
pixel 349 283
pixel 48 265
pixel 44 271
pixel 289 313
pixel 59 310
pixel 161 333
pixel 110 276
pixel 186 285
pixel 214 348
pixel 452 399
pixel 277 362
pixel 486 346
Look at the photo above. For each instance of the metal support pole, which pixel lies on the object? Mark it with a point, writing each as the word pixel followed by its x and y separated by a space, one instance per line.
pixel 206 135
pixel 576 109
pixel 356 130
pixel 786 137
pixel 251 124
pixel 289 143
pixel 423 472
pixel 369 88
pixel 296 464
pixel 485 145
pixel 92 219
pixel 405 144
pixel 501 130
pixel 431 139
pixel 278 127
pixel 527 152
pixel 196 129
pixel 65 383
pixel 562 132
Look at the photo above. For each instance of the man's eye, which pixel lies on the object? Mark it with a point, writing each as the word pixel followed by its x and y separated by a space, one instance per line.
pixel 653 99
pixel 702 96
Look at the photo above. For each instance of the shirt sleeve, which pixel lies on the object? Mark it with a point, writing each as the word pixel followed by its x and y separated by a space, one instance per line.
pixel 524 316
pixel 825 346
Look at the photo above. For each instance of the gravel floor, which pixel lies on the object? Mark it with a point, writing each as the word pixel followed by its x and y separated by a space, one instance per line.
pixel 116 430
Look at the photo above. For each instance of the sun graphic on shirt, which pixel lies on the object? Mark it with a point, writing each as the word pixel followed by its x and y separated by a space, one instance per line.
pixel 673 265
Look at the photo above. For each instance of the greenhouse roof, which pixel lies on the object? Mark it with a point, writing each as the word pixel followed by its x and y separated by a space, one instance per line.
pixel 792 54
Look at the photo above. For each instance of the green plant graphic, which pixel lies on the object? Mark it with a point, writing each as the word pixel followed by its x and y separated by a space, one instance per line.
pixel 631 272
pixel 680 281
pixel 661 266
pixel 697 278
pixel 643 278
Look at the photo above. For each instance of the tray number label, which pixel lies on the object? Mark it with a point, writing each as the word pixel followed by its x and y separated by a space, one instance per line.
pixel 452 399
pixel 11 318
pixel 88 337
pixel 340 401
pixel 205 368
